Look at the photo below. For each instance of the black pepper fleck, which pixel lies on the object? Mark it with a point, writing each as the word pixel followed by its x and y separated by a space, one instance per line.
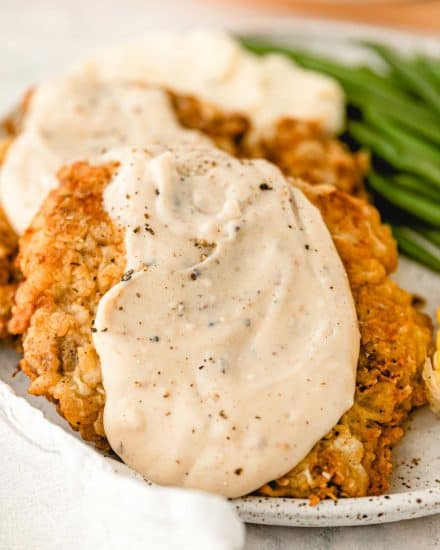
pixel 127 275
pixel 149 229
pixel 265 187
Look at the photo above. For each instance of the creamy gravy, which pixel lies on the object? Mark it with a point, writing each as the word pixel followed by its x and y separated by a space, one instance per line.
pixel 104 103
pixel 215 67
pixel 230 346
pixel 79 117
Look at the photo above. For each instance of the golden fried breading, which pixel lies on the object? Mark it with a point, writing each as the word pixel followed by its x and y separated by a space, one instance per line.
pixel 304 150
pixel 8 274
pixel 11 125
pixel 227 130
pixel 73 253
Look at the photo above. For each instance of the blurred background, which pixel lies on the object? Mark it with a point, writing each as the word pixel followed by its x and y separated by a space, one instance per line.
pixel 420 15
pixel 38 38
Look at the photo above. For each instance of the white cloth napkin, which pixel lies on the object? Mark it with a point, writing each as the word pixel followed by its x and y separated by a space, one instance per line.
pixel 56 492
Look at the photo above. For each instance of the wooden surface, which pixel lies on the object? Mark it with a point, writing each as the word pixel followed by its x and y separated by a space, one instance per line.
pixel 420 15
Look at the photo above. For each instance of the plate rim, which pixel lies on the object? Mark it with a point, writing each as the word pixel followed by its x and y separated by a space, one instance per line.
pixel 339 513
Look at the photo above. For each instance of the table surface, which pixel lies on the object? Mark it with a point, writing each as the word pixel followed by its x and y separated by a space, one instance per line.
pixel 38 39
pixel 421 15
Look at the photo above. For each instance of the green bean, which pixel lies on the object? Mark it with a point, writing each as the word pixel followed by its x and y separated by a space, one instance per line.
pixel 361 77
pixel 401 137
pixel 398 157
pixel 419 123
pixel 420 207
pixel 434 67
pixel 432 235
pixel 414 78
pixel 427 68
pixel 395 106
pixel 417 186
pixel 414 246
pixel 381 79
pixel 259 46
pixel 389 81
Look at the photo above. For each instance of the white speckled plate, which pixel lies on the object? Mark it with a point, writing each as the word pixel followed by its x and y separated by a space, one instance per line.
pixel 416 479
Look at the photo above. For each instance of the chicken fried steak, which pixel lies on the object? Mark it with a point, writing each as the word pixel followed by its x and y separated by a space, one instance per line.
pixel 300 149
pixel 73 253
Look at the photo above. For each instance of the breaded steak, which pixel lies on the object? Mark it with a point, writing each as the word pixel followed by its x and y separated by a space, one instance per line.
pixel 300 149
pixel 9 275
pixel 70 256
pixel 303 150
pixel 73 253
